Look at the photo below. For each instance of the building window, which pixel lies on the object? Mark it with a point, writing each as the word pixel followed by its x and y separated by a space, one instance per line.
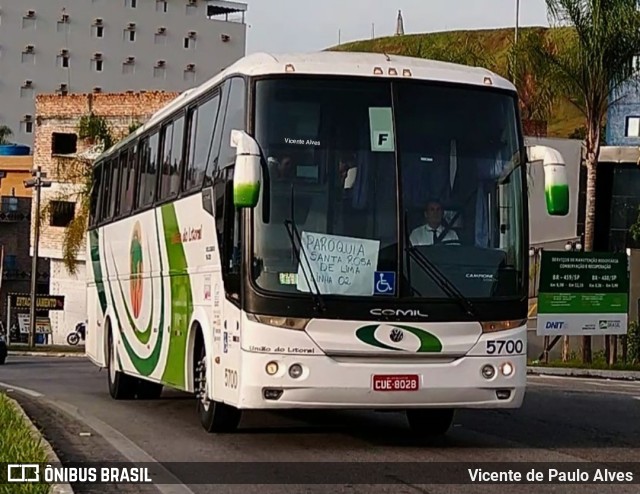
pixel 98 28
pixel 161 36
pixel 29 20
pixel 128 66
pixel 190 41
pixel 132 4
pixel 97 62
pixel 62 213
pixel 10 262
pixel 161 5
pixel 160 71
pixel 190 73
pixel 27 124
pixel 192 7
pixel 26 90
pixel 130 32
pixel 29 54
pixel 63 143
pixel 633 127
pixel 9 204
pixel 63 23
pixel 64 59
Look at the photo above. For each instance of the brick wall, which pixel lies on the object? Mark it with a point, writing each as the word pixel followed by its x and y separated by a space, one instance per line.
pixel 57 113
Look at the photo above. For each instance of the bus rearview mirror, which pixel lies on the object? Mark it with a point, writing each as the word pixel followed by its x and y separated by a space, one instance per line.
pixel 556 185
pixel 247 171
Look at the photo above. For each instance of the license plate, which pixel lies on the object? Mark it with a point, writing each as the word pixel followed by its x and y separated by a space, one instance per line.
pixel 396 383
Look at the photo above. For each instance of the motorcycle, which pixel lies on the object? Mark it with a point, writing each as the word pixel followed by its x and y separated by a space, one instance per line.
pixel 78 333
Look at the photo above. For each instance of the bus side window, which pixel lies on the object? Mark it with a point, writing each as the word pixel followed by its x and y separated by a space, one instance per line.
pixel 106 192
pixel 129 196
pixel 228 232
pixel 94 217
pixel 234 120
pixel 124 177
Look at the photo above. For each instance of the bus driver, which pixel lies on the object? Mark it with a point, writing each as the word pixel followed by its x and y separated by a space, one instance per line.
pixel 429 233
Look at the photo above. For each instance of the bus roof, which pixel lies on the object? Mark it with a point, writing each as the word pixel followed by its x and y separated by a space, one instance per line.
pixel 331 63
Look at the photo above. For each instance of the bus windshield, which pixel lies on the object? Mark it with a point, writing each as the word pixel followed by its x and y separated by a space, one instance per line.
pixel 377 175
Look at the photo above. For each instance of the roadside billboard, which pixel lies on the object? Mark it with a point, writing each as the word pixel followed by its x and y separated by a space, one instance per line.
pixel 583 293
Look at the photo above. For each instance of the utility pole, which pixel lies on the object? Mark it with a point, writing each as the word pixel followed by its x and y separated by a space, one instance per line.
pixel 517 20
pixel 35 183
pixel 515 42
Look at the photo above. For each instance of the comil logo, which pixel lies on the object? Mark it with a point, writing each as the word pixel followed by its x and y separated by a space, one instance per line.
pixel 23 472
pixel 555 325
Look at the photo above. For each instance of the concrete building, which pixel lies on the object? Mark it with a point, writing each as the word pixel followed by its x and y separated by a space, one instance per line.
pixel 56 145
pixel 82 46
pixel 623 117
pixel 618 175
pixel 15 227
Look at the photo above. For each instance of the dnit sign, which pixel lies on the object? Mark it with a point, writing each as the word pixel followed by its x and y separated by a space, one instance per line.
pixel 554 325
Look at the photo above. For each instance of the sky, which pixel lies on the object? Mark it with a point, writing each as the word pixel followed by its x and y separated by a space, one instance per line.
pixel 317 22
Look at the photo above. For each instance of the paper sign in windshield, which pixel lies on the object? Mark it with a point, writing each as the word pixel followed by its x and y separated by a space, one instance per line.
pixel 340 265
pixel 381 128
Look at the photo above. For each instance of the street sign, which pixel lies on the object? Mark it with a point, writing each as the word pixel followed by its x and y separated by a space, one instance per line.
pixel 43 302
pixel 583 293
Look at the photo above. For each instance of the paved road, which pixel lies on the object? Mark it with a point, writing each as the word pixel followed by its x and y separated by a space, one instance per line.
pixel 563 419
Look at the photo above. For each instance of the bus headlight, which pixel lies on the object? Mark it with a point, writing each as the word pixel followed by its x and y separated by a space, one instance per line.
pixel 272 368
pixel 488 371
pixel 495 326
pixel 507 369
pixel 295 371
pixel 280 322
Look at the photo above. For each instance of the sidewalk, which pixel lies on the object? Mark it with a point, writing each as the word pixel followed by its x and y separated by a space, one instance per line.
pixel 620 375
pixel 46 351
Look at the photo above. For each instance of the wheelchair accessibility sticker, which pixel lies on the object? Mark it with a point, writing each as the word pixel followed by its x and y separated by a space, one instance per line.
pixel 384 283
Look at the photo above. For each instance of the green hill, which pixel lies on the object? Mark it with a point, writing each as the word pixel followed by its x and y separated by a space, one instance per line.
pixel 487 48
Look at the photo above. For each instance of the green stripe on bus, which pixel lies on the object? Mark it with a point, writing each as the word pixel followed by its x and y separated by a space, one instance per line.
pixel 144 365
pixel 181 299
pixel 94 243
pixel 142 336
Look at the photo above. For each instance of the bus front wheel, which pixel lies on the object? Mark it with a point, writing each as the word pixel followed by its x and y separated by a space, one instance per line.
pixel 430 422
pixel 121 386
pixel 214 416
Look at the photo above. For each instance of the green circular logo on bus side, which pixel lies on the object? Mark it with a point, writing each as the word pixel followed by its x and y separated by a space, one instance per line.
pixel 425 342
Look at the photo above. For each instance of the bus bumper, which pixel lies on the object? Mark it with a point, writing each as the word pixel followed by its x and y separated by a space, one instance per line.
pixel 328 383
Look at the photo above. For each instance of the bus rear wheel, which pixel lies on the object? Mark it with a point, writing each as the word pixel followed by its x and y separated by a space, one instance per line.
pixel 430 422
pixel 121 386
pixel 214 416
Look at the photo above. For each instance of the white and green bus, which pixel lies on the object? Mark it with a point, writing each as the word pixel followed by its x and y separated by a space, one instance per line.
pixel 329 230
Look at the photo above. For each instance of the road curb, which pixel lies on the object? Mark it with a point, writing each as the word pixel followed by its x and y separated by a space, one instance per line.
pixel 614 375
pixel 21 353
pixel 52 457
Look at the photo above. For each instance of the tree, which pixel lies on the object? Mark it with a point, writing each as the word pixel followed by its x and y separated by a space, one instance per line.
pixel 75 179
pixel 591 65
pixel 5 133
pixel 536 91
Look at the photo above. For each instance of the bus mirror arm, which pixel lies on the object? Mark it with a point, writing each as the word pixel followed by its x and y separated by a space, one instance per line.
pixel 556 185
pixel 247 171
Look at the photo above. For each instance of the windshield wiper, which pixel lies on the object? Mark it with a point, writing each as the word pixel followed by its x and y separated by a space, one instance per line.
pixel 441 280
pixel 317 297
